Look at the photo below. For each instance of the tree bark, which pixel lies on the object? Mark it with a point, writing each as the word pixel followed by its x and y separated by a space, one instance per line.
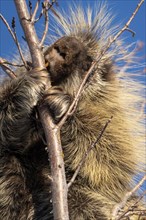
pixel 52 132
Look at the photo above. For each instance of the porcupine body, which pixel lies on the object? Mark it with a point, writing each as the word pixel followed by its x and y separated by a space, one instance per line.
pixel 107 174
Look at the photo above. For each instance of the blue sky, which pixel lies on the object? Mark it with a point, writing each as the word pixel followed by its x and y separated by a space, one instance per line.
pixel 122 10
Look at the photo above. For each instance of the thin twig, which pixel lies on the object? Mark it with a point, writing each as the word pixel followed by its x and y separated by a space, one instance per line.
pixel 131 31
pixel 6 69
pixel 77 96
pixel 46 25
pixel 136 212
pixel 30 7
pixel 129 21
pixel 87 153
pixel 47 7
pixel 55 13
pixel 51 4
pixel 139 199
pixel 42 12
pixel 14 36
pixel 119 206
pixel 31 36
pixel 4 61
pixel 141 215
pixel 131 207
pixel 35 11
pixel 18 45
pixel 8 27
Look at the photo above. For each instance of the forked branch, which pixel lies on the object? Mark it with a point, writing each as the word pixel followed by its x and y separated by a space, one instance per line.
pixel 6 69
pixel 125 199
pixel 59 187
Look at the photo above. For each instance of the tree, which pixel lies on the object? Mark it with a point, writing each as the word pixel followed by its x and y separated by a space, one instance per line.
pixel 52 131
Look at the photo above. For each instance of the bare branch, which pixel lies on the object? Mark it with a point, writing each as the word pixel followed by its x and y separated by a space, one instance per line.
pixel 6 69
pixel 44 4
pixel 55 13
pixel 77 96
pixel 46 25
pixel 131 208
pixel 30 35
pixel 141 213
pixel 127 196
pixel 47 7
pixel 42 12
pixel 59 187
pixel 52 133
pixel 4 61
pixel 17 44
pixel 139 199
pixel 133 33
pixel 129 21
pixel 8 27
pixel 88 151
pixel 35 11
pixel 30 7
pixel 14 38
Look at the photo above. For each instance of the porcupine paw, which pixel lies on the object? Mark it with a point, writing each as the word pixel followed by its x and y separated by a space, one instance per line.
pixel 57 102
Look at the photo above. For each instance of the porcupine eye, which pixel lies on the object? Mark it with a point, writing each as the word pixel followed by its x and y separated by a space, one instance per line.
pixel 62 54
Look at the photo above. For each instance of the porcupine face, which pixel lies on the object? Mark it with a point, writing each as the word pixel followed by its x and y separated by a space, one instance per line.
pixel 64 57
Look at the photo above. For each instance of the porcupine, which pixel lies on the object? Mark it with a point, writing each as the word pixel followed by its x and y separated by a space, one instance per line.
pixel 107 173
